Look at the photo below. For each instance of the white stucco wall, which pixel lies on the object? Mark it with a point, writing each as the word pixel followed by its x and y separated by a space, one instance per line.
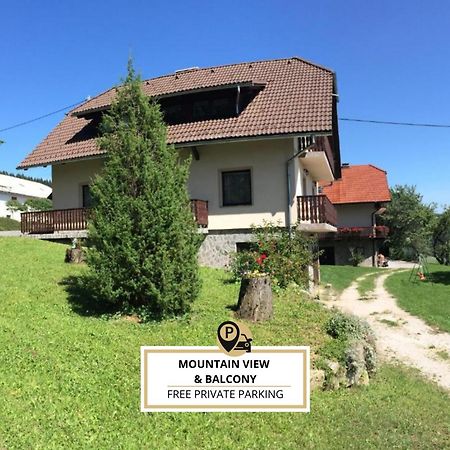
pixel 6 197
pixel 355 215
pixel 265 158
pixel 267 161
pixel 68 178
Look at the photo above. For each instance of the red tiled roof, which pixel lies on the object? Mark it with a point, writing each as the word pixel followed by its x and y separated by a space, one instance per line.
pixel 359 184
pixel 297 97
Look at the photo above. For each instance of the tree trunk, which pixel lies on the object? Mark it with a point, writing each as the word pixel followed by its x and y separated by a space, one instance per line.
pixel 255 299
pixel 75 255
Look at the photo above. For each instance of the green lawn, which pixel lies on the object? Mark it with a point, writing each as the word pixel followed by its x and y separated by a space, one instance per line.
pixel 428 299
pixel 70 377
pixel 340 277
pixel 367 284
pixel 7 224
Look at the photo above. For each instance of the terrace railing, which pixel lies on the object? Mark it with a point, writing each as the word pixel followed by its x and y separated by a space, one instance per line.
pixel 316 209
pixel 76 219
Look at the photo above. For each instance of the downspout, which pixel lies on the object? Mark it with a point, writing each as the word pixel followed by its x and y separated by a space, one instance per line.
pixel 373 237
pixel 288 178
pixel 238 99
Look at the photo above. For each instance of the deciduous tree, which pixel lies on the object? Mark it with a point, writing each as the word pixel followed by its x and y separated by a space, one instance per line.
pixel 441 238
pixel 410 223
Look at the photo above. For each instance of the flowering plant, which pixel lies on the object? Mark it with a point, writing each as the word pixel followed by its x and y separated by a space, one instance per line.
pixel 276 254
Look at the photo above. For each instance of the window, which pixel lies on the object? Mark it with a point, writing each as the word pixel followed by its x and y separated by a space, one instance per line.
pixel 245 247
pixel 13 198
pixel 236 188
pixel 86 196
pixel 212 104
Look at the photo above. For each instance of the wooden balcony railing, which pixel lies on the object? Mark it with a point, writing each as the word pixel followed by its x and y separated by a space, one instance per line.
pixel 75 219
pixel 200 210
pixel 316 209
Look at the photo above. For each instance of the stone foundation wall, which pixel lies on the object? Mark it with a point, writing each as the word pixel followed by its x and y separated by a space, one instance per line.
pixel 218 245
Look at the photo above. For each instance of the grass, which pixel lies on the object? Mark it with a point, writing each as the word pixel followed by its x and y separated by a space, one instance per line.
pixel 367 284
pixel 443 354
pixel 8 224
pixel 428 299
pixel 340 277
pixel 390 323
pixel 70 377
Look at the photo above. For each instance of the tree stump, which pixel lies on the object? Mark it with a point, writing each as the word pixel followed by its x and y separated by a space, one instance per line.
pixel 75 255
pixel 255 299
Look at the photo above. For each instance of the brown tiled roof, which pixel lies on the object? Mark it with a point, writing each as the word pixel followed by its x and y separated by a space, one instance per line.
pixel 358 184
pixel 297 97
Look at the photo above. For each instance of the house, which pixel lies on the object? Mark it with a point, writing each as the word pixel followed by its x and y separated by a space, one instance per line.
pixel 359 196
pixel 261 136
pixel 14 188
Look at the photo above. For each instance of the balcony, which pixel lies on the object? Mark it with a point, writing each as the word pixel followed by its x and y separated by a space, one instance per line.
pixel 377 232
pixel 73 221
pixel 319 159
pixel 316 214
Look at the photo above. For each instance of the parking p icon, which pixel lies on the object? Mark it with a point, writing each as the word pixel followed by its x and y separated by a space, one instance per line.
pixel 228 334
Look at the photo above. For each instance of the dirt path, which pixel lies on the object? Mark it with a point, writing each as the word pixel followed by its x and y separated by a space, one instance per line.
pixel 400 336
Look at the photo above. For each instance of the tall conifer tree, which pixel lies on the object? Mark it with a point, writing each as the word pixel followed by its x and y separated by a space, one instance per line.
pixel 143 234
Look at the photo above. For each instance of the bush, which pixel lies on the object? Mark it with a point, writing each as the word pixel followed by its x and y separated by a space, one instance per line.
pixel 356 256
pixel 344 326
pixel 38 204
pixel 358 340
pixel 282 257
pixel 15 206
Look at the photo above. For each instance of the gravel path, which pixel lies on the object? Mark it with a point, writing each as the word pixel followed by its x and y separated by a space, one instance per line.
pixel 400 336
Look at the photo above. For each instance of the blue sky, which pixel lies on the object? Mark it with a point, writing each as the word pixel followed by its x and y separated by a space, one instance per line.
pixel 392 60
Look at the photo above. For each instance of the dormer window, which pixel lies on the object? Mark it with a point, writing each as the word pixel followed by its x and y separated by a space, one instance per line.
pixel 210 104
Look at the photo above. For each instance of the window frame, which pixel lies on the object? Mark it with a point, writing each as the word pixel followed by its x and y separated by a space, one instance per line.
pixel 221 184
pixel 82 185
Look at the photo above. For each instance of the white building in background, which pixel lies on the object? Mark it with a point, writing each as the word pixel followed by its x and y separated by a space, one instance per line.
pixel 13 188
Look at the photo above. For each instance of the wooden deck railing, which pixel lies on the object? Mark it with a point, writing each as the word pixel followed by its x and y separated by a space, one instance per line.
pixel 200 210
pixel 75 219
pixel 316 209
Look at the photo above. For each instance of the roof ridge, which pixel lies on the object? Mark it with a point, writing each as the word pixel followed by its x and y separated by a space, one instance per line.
pixel 365 165
pixel 68 113
pixel 311 63
pixel 378 168
pixel 260 61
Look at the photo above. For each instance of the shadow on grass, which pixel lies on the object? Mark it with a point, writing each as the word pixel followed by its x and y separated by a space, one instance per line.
pixel 232 307
pixel 82 301
pixel 227 281
pixel 441 277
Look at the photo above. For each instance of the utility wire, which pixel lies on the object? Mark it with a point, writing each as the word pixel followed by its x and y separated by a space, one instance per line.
pixel 17 125
pixel 345 119
pixel 409 124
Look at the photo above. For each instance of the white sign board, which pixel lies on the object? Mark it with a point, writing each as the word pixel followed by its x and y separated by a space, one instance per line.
pixel 204 379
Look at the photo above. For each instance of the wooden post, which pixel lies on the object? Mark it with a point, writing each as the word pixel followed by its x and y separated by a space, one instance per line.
pixel 255 299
